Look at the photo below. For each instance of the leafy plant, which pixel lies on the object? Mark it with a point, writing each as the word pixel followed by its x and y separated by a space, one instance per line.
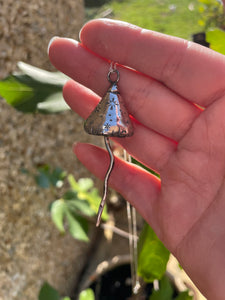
pixel 76 206
pixel 166 292
pixel 34 90
pixel 216 38
pixel 152 262
pixel 177 17
pixel 47 292
pixel 212 14
pixel 78 203
pixel 47 177
pixel 152 256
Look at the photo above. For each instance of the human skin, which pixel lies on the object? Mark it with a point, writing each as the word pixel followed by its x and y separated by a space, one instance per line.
pixel 175 92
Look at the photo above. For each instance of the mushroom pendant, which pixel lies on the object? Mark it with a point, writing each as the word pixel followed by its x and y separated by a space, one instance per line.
pixel 109 119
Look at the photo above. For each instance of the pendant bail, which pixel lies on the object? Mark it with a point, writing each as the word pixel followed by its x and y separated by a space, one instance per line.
pixel 113 70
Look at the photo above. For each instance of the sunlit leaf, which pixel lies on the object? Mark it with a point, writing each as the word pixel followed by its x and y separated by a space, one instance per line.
pixel 94 200
pixel 86 191
pixel 216 38
pixel 81 206
pixel 87 295
pixel 53 104
pixel 85 184
pixel 77 227
pixel 152 256
pixel 62 211
pixel 58 210
pixel 78 203
pixel 74 185
pixel 34 90
pixel 53 78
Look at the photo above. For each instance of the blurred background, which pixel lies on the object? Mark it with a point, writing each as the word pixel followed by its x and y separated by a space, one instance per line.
pixel 36 149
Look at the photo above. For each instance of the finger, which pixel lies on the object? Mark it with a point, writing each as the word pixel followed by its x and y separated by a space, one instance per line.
pixel 128 179
pixel 147 146
pixel 192 71
pixel 149 101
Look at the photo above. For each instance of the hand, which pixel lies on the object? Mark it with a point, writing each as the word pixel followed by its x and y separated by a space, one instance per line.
pixel 175 90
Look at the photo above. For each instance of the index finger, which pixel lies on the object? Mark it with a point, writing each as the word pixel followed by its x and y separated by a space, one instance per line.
pixel 193 71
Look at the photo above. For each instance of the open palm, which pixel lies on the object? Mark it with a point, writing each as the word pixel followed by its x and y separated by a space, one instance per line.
pixel 175 91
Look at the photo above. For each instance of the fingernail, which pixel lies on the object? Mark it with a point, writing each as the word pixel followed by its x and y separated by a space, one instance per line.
pixel 75 42
pixel 51 41
pixel 80 32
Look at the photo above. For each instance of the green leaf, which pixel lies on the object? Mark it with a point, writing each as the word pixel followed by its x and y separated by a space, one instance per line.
pixel 184 296
pixel 35 90
pixel 79 202
pixel 43 179
pixel 53 104
pixel 87 295
pixel 94 200
pixel 43 76
pixel 48 293
pixel 66 298
pixel 81 206
pixel 216 38
pixel 48 177
pixel 14 91
pixel 165 291
pixel 70 195
pixel 136 162
pixel 74 185
pixel 77 226
pixel 57 176
pixel 86 191
pixel 152 255
pixel 58 210
pixel 85 184
pixel 78 205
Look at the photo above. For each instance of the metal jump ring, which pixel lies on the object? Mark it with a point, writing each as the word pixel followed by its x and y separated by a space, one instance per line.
pixel 110 73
